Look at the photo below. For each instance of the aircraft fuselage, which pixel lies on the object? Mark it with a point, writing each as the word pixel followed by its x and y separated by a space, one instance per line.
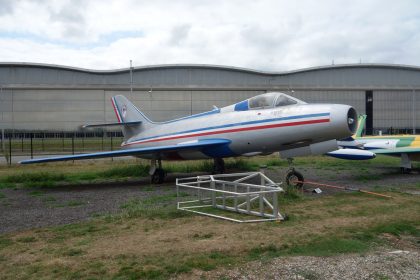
pixel 261 131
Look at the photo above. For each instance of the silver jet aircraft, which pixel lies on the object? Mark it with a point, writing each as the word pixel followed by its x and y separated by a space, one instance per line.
pixel 264 124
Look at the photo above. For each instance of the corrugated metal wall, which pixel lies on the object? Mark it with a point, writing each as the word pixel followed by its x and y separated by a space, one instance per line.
pixel 39 97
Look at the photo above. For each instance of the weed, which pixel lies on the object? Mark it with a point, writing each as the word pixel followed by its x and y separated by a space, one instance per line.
pixel 330 246
pixel 397 229
pixel 241 164
pixel 125 171
pixel 73 252
pixel 74 230
pixel 5 242
pixel 33 177
pixel 36 193
pixel 152 207
pixel 276 162
pixel 291 195
pixel 75 203
pixel 310 275
pixel 270 250
pixel 380 276
pixel 201 166
pixel 83 242
pixel 368 177
pixel 28 239
pixel 49 198
pixel 6 185
pixel 203 236
pixel 2 195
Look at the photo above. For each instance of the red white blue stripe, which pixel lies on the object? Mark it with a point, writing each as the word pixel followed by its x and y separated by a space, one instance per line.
pixel 298 120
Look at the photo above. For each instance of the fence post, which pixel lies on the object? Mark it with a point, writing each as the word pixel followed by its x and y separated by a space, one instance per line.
pixel 112 147
pixel 72 144
pixel 10 150
pixel 2 140
pixel 32 147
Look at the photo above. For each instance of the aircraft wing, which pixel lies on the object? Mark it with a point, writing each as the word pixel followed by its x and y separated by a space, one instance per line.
pixel 398 150
pixel 191 145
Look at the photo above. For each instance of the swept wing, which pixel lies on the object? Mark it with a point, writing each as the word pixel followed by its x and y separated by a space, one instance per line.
pixel 199 145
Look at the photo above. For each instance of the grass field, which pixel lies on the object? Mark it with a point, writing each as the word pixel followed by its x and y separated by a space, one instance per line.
pixel 52 174
pixel 150 239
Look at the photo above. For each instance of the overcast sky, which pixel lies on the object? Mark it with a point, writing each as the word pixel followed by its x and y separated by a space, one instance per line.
pixel 266 35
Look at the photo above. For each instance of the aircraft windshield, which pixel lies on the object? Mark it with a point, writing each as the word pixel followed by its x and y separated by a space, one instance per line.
pixel 261 101
pixel 284 100
pixel 271 100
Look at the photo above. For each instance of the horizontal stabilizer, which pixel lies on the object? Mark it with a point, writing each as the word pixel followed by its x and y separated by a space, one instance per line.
pixel 197 145
pixel 112 124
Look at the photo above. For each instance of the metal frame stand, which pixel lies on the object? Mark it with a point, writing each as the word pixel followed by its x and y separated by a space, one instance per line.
pixel 250 193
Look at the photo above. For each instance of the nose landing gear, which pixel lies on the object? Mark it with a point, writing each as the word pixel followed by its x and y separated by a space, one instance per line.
pixel 294 178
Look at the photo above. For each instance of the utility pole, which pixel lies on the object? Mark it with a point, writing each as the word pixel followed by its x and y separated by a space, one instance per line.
pixel 3 145
pixel 131 80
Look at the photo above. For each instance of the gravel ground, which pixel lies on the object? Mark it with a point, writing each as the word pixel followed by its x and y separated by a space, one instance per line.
pixel 22 209
pixel 389 264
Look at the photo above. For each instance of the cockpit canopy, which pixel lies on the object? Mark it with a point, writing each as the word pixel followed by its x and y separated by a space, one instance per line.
pixel 267 100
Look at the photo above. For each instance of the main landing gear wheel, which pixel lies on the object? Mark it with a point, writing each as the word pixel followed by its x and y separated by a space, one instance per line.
pixel 405 170
pixel 158 176
pixel 218 166
pixel 294 179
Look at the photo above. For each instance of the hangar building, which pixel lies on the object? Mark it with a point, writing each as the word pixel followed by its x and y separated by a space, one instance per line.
pixel 59 98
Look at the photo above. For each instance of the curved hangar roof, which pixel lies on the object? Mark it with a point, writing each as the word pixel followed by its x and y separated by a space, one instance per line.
pixel 196 76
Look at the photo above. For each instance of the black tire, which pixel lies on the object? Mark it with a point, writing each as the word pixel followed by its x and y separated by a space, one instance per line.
pixel 218 166
pixel 405 170
pixel 158 177
pixel 293 176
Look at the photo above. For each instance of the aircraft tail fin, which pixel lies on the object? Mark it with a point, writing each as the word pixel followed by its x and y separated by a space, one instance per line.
pixel 360 126
pixel 128 114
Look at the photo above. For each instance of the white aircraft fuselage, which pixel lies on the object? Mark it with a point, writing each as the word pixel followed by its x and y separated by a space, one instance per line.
pixel 250 132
